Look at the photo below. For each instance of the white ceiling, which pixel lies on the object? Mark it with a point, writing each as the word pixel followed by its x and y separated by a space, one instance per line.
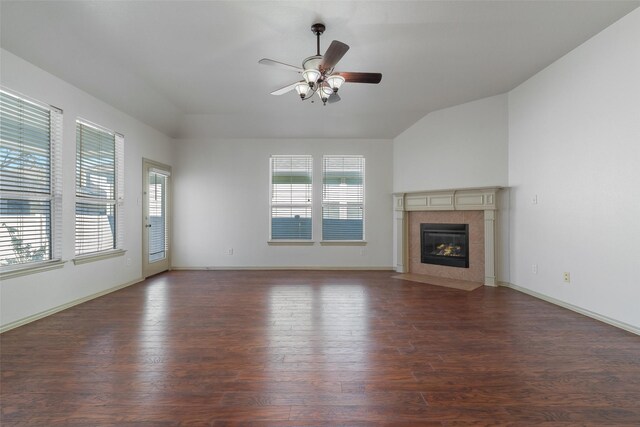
pixel 191 69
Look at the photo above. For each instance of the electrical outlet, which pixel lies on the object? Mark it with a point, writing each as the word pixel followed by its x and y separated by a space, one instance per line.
pixel 566 277
pixel 229 251
pixel 534 199
pixel 363 252
pixel 534 268
pixel 128 261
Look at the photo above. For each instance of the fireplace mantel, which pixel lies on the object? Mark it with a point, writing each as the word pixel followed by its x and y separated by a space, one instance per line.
pixel 481 199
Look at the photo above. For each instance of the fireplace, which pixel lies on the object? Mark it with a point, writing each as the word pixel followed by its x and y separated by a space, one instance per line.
pixel 445 244
pixel 476 207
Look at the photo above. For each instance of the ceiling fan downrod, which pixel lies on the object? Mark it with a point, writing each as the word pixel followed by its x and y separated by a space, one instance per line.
pixel 318 29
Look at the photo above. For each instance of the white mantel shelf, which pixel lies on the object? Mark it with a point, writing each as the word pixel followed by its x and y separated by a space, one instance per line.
pixel 476 199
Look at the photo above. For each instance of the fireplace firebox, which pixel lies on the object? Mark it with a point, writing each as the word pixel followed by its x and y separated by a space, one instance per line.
pixel 445 244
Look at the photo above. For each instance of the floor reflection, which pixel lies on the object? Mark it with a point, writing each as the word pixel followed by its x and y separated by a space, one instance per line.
pixel 321 331
pixel 345 320
pixel 152 335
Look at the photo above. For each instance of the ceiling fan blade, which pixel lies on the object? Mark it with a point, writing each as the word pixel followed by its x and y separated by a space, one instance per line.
pixel 352 77
pixel 271 62
pixel 285 89
pixel 334 53
pixel 334 97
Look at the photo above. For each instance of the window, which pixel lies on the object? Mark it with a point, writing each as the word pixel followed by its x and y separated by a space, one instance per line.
pixel 99 183
pixel 291 189
pixel 343 198
pixel 30 181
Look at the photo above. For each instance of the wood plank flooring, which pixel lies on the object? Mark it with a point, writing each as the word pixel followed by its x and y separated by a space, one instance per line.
pixel 309 348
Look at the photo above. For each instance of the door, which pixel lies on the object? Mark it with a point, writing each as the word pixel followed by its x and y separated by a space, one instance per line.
pixel 156 255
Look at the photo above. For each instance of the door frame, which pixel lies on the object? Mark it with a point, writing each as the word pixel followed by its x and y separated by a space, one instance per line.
pixel 146 165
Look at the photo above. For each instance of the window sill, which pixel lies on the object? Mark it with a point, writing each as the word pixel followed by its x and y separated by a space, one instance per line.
pixel 343 243
pixel 23 270
pixel 290 242
pixel 84 259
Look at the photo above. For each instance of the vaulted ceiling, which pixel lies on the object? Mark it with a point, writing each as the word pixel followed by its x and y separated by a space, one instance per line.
pixel 191 69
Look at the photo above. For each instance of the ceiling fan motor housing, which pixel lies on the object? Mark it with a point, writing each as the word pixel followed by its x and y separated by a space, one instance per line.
pixel 312 62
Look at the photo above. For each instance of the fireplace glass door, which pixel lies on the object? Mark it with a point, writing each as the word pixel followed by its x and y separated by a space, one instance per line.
pixel 445 244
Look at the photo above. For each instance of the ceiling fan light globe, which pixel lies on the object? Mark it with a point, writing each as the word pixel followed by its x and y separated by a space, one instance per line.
pixel 326 91
pixel 311 76
pixel 302 89
pixel 323 95
pixel 335 82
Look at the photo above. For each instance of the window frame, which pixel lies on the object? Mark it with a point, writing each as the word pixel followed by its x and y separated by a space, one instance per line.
pixel 53 196
pixel 308 205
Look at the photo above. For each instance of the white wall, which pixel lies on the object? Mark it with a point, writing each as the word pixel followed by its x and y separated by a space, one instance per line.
pixel 221 201
pixel 29 295
pixel 574 141
pixel 458 147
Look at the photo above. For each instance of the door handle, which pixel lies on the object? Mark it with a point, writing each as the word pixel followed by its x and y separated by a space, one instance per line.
pixel 148 225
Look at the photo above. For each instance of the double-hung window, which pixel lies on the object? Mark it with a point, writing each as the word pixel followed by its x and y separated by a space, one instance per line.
pixel 99 192
pixel 30 181
pixel 343 198
pixel 291 190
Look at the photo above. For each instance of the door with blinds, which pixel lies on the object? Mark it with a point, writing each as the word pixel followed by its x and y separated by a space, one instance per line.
pixel 156 218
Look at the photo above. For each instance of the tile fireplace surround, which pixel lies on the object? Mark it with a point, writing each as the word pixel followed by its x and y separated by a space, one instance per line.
pixel 473 206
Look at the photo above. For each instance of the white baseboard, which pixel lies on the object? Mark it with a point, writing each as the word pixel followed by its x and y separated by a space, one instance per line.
pixel 59 308
pixel 287 268
pixel 613 322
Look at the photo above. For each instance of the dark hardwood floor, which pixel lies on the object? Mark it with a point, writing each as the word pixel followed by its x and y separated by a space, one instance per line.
pixel 266 348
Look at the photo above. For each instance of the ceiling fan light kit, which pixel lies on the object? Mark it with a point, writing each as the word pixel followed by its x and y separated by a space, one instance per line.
pixel 311 76
pixel 318 72
pixel 335 82
pixel 303 89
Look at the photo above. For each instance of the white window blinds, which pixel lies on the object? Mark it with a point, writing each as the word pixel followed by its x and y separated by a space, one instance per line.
pixel 158 221
pixel 291 190
pixel 99 195
pixel 30 181
pixel 343 198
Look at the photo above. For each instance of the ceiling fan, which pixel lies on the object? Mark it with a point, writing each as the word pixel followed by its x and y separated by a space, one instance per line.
pixel 318 72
